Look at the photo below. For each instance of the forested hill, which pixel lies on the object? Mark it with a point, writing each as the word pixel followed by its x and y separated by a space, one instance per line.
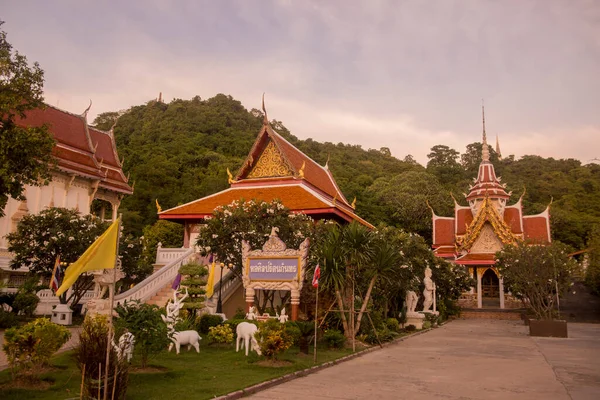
pixel 180 151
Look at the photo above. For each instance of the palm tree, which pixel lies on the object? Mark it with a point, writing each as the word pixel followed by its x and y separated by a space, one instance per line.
pixel 386 257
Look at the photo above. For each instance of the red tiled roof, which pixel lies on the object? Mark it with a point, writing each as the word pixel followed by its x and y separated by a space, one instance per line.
pixel 318 176
pixel 512 217
pixel 479 258
pixel 464 217
pixel 537 228
pixel 296 196
pixel 79 148
pixel 443 231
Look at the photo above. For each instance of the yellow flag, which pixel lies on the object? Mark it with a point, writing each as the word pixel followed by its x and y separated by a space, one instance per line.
pixel 210 285
pixel 100 255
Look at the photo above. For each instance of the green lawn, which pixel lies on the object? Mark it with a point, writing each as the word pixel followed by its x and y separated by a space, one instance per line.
pixel 213 372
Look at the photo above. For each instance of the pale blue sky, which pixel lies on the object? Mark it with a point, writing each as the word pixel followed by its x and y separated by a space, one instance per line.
pixel 402 74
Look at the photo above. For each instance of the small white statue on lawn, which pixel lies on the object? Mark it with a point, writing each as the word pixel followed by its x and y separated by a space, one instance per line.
pixel 183 338
pixel 411 302
pixel 251 314
pixel 429 291
pixel 125 347
pixel 282 317
pixel 246 332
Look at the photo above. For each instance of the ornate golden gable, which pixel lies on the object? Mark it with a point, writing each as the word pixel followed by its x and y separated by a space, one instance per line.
pixel 487 213
pixel 271 163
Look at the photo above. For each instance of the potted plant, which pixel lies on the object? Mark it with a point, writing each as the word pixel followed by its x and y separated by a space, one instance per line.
pixel 538 274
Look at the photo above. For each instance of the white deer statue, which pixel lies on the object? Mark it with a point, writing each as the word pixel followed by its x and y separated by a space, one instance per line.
pixel 245 336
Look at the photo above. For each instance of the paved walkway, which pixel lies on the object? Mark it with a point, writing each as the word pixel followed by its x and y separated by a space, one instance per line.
pixel 71 344
pixel 465 359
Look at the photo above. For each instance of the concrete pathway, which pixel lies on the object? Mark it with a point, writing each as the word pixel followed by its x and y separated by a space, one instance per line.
pixel 71 344
pixel 465 359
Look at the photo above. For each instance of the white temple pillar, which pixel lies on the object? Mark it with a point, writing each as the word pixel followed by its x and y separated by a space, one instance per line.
pixel 501 288
pixel 479 297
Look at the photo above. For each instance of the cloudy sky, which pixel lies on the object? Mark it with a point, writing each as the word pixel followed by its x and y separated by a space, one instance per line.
pixel 401 74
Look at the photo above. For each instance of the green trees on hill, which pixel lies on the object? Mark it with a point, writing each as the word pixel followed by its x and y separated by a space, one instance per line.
pixel 180 151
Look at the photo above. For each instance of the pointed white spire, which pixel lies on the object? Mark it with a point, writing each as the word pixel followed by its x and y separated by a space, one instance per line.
pixel 485 151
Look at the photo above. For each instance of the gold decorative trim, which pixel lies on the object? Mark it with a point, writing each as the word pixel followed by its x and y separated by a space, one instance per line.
pixel 271 163
pixel 487 213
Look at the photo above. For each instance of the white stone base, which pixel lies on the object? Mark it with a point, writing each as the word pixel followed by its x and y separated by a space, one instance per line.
pixel 415 319
pixel 62 315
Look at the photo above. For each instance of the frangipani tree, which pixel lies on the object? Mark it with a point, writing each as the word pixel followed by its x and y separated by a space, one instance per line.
pixel 537 274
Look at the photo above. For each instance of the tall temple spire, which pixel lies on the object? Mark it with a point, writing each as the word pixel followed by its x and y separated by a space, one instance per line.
pixel 265 118
pixel 485 151
pixel 498 148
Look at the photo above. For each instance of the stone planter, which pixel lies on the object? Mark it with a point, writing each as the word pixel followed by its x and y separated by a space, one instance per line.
pixel 548 328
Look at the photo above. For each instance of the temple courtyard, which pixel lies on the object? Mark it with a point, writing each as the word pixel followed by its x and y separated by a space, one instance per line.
pixel 464 359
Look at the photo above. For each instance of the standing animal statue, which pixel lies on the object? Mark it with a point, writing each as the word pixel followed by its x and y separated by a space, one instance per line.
pixel 105 279
pixel 182 338
pixel 125 347
pixel 245 336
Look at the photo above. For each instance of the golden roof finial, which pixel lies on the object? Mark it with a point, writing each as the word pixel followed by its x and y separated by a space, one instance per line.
pixel 335 199
pixel 85 113
pixel 265 117
pixel 158 207
pixel 301 172
pixel 230 179
pixel 353 205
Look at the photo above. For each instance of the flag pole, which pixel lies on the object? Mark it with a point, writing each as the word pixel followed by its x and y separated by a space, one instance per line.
pixel 110 313
pixel 316 326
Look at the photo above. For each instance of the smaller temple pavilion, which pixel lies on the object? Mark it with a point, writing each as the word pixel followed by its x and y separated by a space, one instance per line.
pixel 274 169
pixel 476 232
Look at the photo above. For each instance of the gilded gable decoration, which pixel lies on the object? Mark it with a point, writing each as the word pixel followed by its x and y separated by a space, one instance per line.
pixel 271 163
pixel 486 213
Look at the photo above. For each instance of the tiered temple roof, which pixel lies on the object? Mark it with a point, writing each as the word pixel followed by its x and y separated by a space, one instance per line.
pixel 81 150
pixel 276 169
pixel 476 232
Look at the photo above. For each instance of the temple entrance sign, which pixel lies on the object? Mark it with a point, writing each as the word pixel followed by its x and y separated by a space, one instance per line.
pixel 275 267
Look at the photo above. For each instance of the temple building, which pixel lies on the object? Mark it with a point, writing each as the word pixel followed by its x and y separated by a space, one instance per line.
pixel 87 169
pixel 274 169
pixel 476 232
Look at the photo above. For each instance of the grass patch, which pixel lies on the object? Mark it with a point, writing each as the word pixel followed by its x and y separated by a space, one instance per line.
pixel 213 372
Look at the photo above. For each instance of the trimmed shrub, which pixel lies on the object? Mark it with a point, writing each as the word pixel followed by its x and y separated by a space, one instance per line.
pixel 334 338
pixel 410 328
pixel 207 321
pixel 220 334
pixel 273 338
pixel 25 303
pixel 28 348
pixel 392 324
pixel 307 330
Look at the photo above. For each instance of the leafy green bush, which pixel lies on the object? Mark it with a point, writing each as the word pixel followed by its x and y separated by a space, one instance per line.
pixel 7 319
pixel 29 347
pixel 145 323
pixel 334 338
pixel 426 325
pixel 273 338
pixel 392 324
pixel 239 314
pixel 25 303
pixel 207 321
pixel 220 334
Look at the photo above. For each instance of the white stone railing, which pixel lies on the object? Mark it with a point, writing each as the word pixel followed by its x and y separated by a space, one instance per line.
pixel 155 282
pixel 48 300
pixel 167 255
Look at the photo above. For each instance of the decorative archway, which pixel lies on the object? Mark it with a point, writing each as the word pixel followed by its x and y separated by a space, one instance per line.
pixel 490 285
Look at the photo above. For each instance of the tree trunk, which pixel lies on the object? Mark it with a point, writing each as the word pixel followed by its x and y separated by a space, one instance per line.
pixel 340 302
pixel 364 304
